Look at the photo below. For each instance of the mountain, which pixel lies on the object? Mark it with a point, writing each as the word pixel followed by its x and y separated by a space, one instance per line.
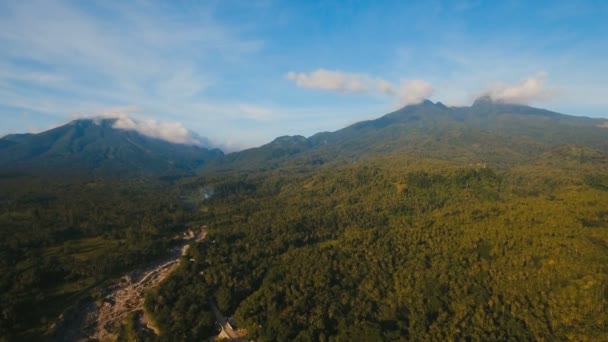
pixel 499 133
pixel 95 147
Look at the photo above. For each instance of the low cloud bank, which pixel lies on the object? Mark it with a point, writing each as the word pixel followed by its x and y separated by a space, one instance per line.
pixel 407 92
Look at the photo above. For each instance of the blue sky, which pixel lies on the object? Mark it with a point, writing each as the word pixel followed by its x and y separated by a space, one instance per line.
pixel 244 72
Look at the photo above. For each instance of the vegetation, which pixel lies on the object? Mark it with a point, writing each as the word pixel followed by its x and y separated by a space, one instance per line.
pixel 401 248
pixel 501 134
pixel 88 148
pixel 61 239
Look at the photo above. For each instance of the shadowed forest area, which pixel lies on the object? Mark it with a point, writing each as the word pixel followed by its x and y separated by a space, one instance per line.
pixel 63 240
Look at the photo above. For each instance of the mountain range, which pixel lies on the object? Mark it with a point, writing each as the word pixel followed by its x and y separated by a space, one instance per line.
pixel 498 133
pixel 487 131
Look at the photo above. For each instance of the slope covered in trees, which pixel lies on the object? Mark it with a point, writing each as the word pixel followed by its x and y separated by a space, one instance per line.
pixel 94 147
pixel 403 248
pixel 500 133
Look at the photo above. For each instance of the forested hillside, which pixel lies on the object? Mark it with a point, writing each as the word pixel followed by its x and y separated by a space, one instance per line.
pixel 96 148
pixel 402 248
pixel 500 133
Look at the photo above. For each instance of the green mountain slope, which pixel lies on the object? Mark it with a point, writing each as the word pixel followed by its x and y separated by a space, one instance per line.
pixel 502 134
pixel 94 147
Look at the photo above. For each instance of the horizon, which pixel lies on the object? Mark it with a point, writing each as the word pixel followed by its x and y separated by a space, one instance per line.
pixel 244 74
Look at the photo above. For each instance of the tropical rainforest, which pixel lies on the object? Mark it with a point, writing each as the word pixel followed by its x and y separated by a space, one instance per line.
pixel 402 249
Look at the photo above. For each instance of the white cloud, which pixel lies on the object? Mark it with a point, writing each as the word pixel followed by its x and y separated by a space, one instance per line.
pixel 530 89
pixel 333 81
pixel 173 132
pixel 137 53
pixel 407 92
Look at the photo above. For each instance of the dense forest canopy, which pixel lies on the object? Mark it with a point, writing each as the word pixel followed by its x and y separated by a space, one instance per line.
pixel 402 248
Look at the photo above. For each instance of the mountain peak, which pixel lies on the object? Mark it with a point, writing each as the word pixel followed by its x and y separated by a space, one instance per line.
pixel 423 103
pixel 171 132
pixel 98 146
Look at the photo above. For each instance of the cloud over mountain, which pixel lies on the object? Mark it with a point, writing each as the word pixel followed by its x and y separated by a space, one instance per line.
pixel 407 92
pixel 414 91
pixel 173 132
pixel 530 89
